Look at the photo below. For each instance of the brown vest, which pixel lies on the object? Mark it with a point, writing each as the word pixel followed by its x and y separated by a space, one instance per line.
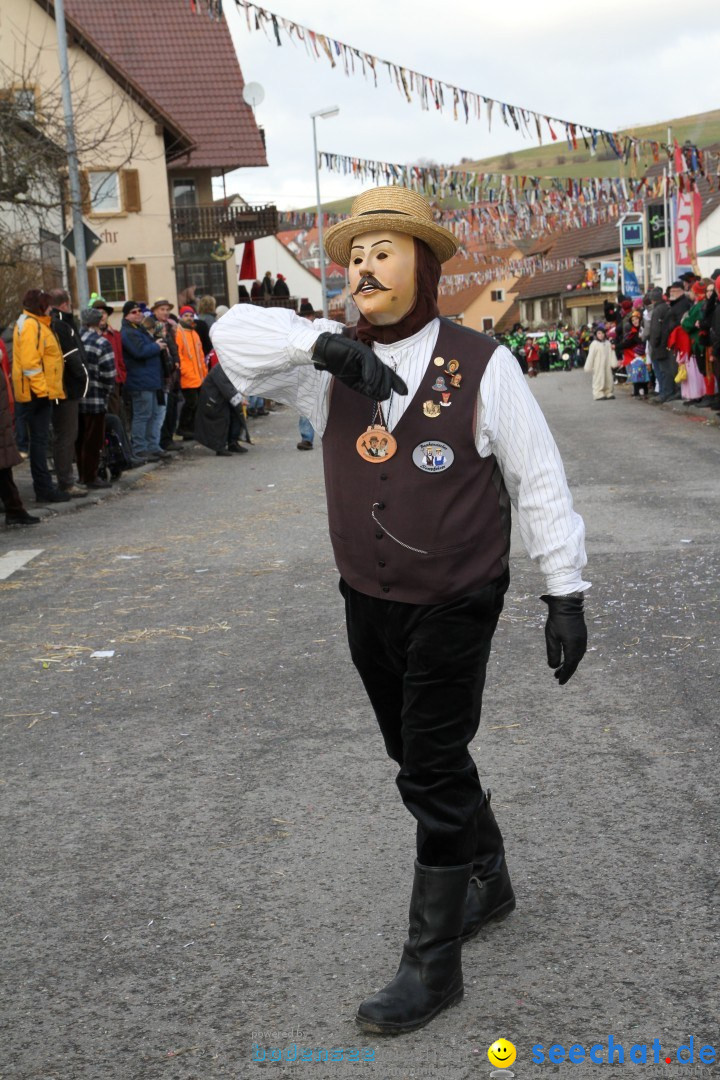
pixel 445 506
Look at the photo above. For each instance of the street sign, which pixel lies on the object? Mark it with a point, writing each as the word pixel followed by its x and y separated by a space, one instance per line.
pixel 92 241
pixel 656 223
pixel 632 234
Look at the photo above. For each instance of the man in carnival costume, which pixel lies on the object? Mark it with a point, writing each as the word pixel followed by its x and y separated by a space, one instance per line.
pixel 421 537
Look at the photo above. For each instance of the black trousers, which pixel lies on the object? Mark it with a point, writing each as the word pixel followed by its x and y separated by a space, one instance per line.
pixel 170 422
pixel 65 428
pixel 9 494
pixel 187 416
pixel 423 667
pixel 89 445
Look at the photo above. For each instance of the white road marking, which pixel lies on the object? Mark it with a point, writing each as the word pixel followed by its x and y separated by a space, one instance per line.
pixel 14 560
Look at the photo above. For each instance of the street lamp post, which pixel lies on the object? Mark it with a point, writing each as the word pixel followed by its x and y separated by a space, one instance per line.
pixel 324 113
pixel 73 167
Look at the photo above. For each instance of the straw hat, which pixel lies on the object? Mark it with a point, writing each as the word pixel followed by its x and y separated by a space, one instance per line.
pixel 396 209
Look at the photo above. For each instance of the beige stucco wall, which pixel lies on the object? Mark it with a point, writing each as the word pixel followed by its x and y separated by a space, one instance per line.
pixel 28 43
pixel 485 308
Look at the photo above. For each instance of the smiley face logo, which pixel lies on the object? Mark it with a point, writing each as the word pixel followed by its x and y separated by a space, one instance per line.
pixel 502 1053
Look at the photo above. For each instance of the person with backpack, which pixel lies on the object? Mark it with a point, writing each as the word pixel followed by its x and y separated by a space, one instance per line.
pixel 65 411
pixel 37 381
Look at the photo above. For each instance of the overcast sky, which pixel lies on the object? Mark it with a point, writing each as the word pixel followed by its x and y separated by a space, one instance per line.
pixel 609 65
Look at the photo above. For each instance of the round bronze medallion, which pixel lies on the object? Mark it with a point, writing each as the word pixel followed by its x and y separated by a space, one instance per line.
pixel 376 445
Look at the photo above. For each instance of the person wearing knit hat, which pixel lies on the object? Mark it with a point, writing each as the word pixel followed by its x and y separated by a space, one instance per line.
pixel 100 361
pixel 430 433
pixel 280 288
pixel 145 360
pixel 92 316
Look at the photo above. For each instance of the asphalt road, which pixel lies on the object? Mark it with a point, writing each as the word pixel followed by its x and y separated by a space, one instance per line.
pixel 203 847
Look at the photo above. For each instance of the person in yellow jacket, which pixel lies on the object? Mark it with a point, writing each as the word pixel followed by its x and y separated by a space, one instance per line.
pixel 37 378
pixel 193 369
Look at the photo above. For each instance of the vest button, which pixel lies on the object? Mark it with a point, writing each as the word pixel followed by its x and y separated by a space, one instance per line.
pixel 381 563
pixel 381 506
pixel 383 476
pixel 379 535
pixel 386 588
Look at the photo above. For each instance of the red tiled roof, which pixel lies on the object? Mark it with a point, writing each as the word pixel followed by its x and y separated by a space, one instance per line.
pixel 552 283
pixel 508 320
pixel 289 236
pixel 184 63
pixel 583 243
pixel 459 302
pixel 465 263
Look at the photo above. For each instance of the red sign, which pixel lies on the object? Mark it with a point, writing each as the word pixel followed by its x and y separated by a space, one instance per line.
pixel 687 218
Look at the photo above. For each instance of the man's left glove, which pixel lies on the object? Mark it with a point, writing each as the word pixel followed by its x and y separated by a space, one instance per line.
pixel 355 364
pixel 565 634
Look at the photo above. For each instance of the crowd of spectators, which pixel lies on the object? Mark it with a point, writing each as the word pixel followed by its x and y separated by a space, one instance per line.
pixel 96 401
pixel 666 344
pixel 85 401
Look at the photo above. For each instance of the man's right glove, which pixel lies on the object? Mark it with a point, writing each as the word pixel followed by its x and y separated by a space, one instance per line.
pixel 565 634
pixel 356 365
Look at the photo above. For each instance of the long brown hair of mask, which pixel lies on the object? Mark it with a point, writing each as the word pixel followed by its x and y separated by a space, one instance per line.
pixel 427 278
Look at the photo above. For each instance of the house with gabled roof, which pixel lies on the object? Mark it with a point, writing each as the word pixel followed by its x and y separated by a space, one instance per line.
pixel 484 305
pixel 166 87
pixel 569 293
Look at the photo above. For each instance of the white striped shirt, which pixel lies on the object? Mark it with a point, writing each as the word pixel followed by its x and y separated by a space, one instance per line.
pixel 268 352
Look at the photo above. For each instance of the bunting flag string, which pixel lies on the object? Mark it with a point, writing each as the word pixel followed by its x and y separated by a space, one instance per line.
pixel 445 182
pixel 436 94
pixel 498 268
pixel 213 8
pixel 497 223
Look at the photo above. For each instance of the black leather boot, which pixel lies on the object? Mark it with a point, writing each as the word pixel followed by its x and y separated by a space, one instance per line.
pixel 430 974
pixel 490 894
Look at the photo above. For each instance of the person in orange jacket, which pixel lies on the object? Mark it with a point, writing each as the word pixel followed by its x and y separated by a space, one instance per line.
pixel 193 369
pixel 37 381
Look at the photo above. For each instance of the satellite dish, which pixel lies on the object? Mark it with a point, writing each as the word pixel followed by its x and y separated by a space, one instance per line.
pixel 253 94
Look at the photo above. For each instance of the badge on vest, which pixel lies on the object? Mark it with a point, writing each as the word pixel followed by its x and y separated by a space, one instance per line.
pixel 433 456
pixel 431 409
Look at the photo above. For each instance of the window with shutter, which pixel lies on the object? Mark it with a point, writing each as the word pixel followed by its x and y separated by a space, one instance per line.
pixel 138 281
pixel 112 283
pixel 130 180
pixel 85 196
pixel 105 195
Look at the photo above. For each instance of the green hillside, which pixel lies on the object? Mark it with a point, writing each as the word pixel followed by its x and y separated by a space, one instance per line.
pixel 703 129
pixel 555 159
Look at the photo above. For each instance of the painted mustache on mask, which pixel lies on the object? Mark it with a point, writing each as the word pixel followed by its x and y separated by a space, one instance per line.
pixel 368 279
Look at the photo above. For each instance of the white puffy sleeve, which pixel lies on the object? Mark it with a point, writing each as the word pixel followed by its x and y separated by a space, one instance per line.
pixel 267 352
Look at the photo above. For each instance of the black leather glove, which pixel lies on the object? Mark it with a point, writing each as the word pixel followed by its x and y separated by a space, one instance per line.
pixel 565 634
pixel 356 365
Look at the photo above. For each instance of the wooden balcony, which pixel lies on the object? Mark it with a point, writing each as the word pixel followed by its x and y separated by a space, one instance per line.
pixel 243 223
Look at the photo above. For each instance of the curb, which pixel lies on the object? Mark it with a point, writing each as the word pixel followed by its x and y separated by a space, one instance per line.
pixel 710 416
pixel 127 480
